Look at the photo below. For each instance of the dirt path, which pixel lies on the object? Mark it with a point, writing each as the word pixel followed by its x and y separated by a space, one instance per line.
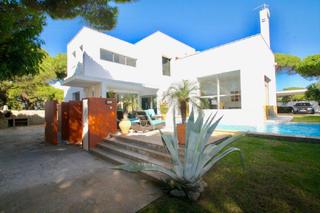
pixel 35 177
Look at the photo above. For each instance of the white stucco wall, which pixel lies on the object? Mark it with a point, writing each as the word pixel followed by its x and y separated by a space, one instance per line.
pixel 252 58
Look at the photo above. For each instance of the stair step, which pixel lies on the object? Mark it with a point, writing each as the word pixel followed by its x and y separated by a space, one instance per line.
pixel 137 149
pixel 143 144
pixel 118 160
pixel 134 156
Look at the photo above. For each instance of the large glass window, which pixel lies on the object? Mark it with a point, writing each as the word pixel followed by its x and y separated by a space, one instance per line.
pixel 221 91
pixel 117 58
pixel 127 102
pixel 166 66
pixel 149 102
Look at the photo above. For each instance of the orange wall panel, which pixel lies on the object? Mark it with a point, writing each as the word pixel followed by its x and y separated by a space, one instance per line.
pixel 102 119
pixel 51 122
pixel 75 122
pixel 65 121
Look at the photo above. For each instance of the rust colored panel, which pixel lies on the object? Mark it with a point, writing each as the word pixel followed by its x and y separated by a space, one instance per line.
pixel 65 121
pixel 102 119
pixel 75 122
pixel 51 122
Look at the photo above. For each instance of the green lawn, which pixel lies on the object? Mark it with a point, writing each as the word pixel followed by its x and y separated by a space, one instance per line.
pixel 279 177
pixel 306 118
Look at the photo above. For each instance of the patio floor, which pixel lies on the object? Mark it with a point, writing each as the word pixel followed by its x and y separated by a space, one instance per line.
pixel 37 177
pixel 155 138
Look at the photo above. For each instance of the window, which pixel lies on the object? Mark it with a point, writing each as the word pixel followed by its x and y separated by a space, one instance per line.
pixel 74 54
pixel 121 59
pixel 131 62
pixel 166 66
pixel 76 96
pixel 117 58
pixel 127 102
pixel 221 91
pixel 106 55
pixel 81 47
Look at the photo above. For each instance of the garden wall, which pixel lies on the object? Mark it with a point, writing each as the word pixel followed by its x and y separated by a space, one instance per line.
pixel 34 117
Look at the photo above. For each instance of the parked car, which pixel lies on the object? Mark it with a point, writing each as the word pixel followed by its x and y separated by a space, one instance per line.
pixel 303 107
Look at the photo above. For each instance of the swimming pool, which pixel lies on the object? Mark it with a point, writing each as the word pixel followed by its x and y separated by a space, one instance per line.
pixel 290 128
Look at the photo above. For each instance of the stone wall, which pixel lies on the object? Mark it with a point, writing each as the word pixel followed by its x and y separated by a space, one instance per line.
pixel 35 117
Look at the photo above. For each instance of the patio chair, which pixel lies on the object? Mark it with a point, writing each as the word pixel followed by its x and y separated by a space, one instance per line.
pixel 155 121
pixel 133 118
pixel 140 123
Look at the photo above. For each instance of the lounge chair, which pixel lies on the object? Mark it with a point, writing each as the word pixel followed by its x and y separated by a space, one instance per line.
pixel 154 120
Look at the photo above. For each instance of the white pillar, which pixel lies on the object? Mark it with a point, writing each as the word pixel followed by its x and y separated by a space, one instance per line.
pixel 103 88
pixel 265 24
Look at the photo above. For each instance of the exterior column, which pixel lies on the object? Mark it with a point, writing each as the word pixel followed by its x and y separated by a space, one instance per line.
pixel 218 93
pixel 139 102
pixel 103 88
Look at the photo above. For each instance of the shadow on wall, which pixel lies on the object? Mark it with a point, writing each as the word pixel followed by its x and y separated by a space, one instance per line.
pixel 95 68
pixel 22 118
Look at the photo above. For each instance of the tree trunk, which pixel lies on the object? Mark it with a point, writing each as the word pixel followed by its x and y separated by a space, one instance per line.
pixel 183 111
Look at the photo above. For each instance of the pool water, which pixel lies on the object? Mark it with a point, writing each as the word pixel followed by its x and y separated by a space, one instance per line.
pixel 299 129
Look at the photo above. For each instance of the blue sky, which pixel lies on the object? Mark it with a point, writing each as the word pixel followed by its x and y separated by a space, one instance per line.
pixel 295 27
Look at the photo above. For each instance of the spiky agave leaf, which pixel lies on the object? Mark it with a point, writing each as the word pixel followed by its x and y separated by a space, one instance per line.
pixel 205 133
pixel 217 158
pixel 139 167
pixel 211 150
pixel 192 136
pixel 171 145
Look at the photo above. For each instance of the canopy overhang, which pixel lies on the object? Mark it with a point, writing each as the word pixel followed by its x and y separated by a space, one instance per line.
pixel 83 81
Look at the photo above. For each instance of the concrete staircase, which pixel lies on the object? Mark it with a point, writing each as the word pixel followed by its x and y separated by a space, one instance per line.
pixel 122 150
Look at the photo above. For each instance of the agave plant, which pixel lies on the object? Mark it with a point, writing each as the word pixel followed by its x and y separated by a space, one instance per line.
pixel 199 155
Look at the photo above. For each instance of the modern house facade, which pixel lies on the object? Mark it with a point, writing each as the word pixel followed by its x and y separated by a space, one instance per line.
pixel 237 78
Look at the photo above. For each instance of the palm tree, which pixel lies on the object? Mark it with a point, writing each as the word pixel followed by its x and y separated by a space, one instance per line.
pixel 181 94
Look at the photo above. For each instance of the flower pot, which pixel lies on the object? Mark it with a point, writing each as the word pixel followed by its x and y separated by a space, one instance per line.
pixel 181 132
pixel 125 125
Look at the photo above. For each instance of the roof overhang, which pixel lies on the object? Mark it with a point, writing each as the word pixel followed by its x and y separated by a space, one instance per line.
pixel 83 81
pixel 291 92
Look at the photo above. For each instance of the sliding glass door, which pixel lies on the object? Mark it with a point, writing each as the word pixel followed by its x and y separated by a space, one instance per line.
pixel 149 102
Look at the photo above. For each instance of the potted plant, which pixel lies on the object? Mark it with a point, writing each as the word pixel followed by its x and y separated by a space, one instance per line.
pixel 125 124
pixel 111 94
pixel 181 95
pixel 163 109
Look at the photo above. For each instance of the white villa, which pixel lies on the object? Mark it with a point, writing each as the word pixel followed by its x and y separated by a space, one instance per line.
pixel 237 78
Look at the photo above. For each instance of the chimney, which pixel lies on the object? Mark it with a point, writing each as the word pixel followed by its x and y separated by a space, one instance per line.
pixel 265 23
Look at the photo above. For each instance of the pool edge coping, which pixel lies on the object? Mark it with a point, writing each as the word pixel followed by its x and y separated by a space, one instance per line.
pixel 293 138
